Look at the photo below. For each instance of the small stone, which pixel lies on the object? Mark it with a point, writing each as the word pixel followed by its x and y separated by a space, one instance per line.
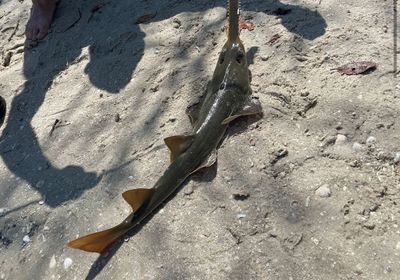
pixel 388 269
pixel 67 263
pixel 188 190
pixel 176 23
pixel 41 202
pixel 328 140
pixel 52 262
pixel 240 194
pixel 241 216
pixel 117 117
pixel 371 140
pixel 397 158
pixel 323 191
pixel 369 225
pixel 355 163
pixel 7 59
pixel 359 269
pixel 26 239
pixel 357 147
pixel 308 201
pixel 2 211
pixel 340 139
pixel 315 241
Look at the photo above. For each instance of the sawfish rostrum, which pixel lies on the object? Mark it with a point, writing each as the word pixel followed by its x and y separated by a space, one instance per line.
pixel 228 97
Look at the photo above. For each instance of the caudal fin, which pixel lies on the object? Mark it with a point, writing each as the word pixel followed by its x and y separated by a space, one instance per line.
pixel 98 241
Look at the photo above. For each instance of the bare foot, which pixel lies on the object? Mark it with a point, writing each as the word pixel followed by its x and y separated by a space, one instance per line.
pixel 40 19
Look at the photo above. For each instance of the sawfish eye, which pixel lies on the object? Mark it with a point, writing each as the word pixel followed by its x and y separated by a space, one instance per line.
pixel 222 59
pixel 239 57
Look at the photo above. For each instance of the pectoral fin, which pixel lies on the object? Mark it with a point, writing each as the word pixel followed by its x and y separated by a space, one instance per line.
pixel 193 112
pixel 252 107
pixel 212 158
pixel 178 144
pixel 137 197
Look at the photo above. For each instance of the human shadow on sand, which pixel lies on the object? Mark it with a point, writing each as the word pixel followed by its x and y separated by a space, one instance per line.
pixel 116 46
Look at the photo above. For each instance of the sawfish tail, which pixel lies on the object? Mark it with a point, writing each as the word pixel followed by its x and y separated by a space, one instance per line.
pixel 98 242
pixel 233 12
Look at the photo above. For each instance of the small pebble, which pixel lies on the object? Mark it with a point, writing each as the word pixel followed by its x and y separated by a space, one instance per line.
pixel 323 191
pixel 388 269
pixel 52 262
pixel 41 202
pixel 358 147
pixel 67 263
pixel 240 195
pixel 397 158
pixel 359 269
pixel 3 211
pixel 264 57
pixel 188 190
pixel 7 59
pixel 117 117
pixel 371 140
pixel 308 201
pixel 176 23
pixel 241 216
pixel 340 139
pixel 315 241
pixel 26 239
pixel 338 126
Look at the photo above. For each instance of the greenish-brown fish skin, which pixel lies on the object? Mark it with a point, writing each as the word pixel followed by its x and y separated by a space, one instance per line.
pixel 228 97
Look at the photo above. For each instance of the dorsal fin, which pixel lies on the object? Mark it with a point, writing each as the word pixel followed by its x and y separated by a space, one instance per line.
pixel 178 144
pixel 193 113
pixel 137 197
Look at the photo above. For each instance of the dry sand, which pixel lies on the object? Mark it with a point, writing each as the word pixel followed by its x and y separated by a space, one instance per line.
pixel 308 191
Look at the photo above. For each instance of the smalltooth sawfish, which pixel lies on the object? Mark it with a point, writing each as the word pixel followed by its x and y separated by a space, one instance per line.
pixel 228 96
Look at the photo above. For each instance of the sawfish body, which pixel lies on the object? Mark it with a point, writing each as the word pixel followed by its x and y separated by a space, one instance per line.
pixel 228 97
